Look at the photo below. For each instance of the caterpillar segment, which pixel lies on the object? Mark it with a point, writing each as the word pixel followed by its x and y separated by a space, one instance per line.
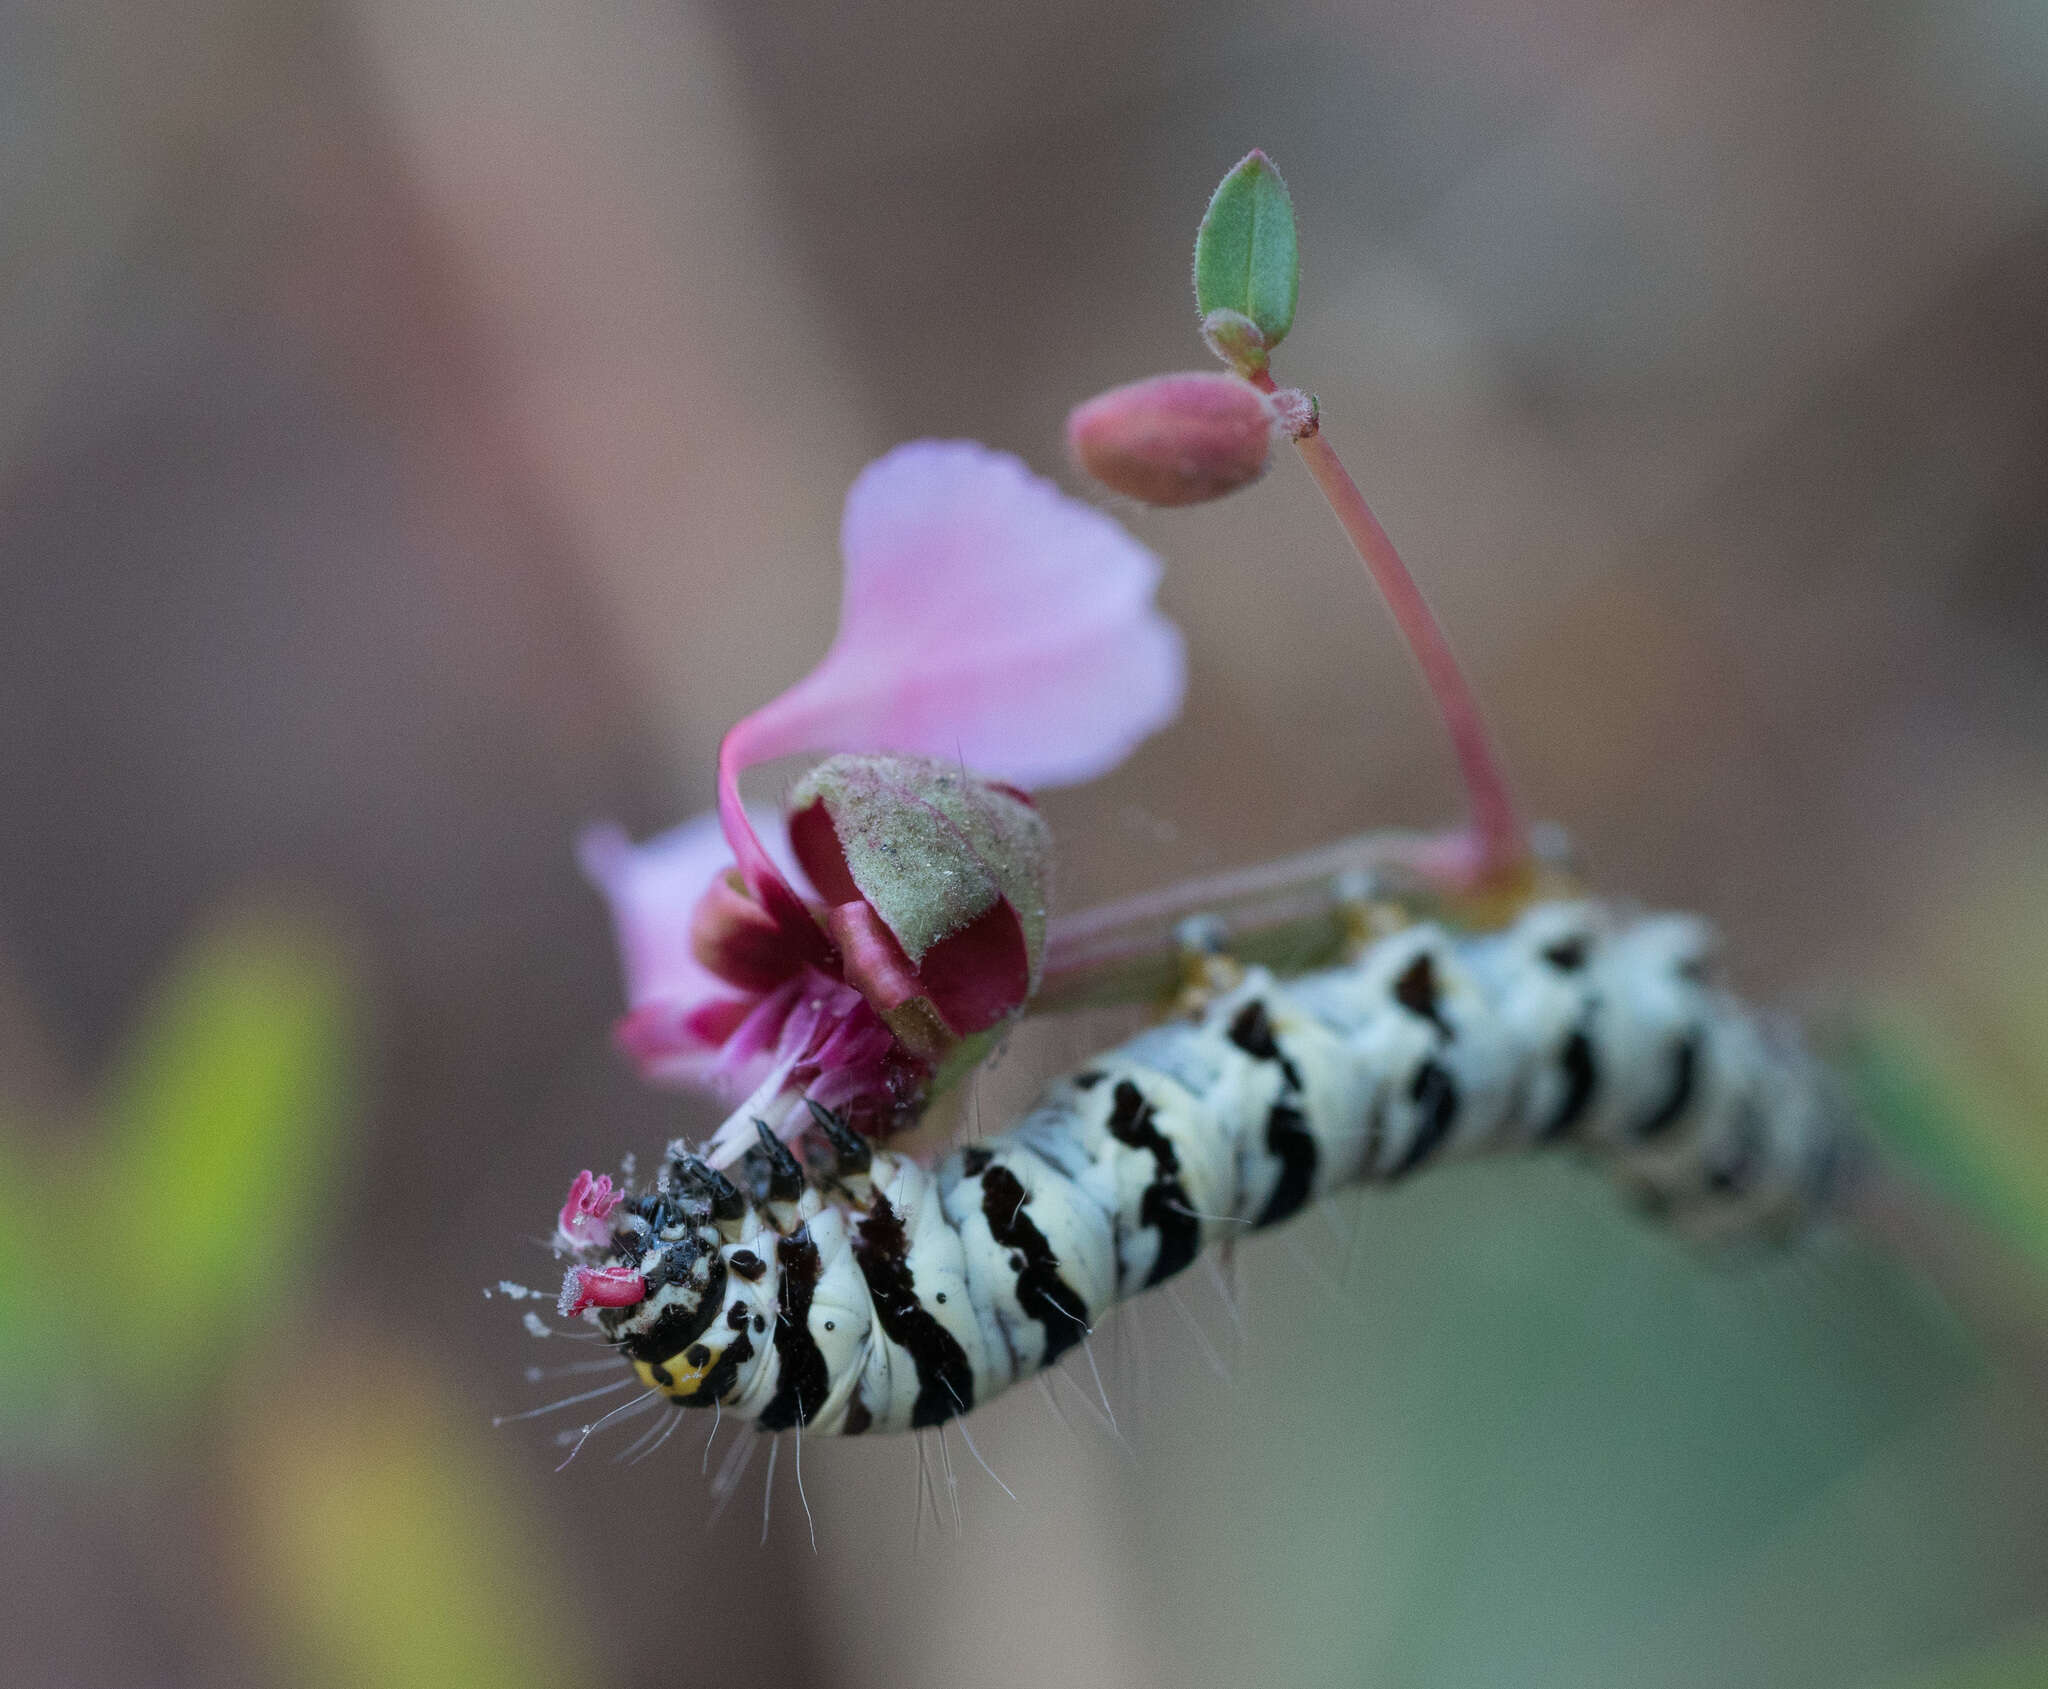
pixel 865 1292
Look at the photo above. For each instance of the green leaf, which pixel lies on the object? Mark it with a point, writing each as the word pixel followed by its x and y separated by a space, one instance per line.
pixel 219 1127
pixel 1245 257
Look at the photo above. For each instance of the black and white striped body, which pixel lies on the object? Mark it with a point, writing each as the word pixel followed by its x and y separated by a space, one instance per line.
pixel 872 1293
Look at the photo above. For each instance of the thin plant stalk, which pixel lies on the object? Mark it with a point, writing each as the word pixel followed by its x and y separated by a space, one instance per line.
pixel 1498 833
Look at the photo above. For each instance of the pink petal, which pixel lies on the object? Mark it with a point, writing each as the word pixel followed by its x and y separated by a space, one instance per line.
pixel 873 960
pixel 679 1012
pixel 816 843
pixel 980 974
pixel 828 1043
pixel 986 617
pixel 756 863
pixel 741 943
pixel 654 889
pixel 972 978
pixel 681 1048
pixel 760 1033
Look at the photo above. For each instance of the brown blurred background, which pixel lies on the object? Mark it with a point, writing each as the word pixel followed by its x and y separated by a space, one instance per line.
pixel 423 429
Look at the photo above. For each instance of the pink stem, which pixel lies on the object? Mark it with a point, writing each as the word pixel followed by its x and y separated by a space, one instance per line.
pixel 1503 845
pixel 1288 915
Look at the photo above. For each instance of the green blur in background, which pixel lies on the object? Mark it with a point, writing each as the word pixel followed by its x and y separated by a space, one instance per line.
pixel 154 1314
pixel 192 1204
pixel 1503 1433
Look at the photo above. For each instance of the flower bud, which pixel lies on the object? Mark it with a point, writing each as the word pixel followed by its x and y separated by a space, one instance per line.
pixel 1175 439
pixel 1236 339
pixel 936 882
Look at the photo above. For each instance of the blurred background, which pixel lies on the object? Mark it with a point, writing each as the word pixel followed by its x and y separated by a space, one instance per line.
pixel 423 429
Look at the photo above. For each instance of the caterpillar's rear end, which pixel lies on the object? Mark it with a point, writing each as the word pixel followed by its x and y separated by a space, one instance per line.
pixel 860 1291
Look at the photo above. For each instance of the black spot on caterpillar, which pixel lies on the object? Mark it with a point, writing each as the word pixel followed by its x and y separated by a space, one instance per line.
pixel 945 1377
pixel 900 1296
pixel 802 1378
pixel 1164 1208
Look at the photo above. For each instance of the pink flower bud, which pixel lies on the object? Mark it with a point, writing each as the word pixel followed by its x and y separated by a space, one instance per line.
pixel 1175 439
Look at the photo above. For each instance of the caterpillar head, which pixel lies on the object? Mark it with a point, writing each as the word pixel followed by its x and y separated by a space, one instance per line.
pixel 661 1281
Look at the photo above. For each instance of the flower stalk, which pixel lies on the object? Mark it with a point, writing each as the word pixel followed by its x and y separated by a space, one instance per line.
pixel 1499 850
pixel 1181 439
pixel 1292 914
pixel 865 948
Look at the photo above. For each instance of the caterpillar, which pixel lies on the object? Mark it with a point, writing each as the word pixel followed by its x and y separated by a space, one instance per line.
pixel 862 1291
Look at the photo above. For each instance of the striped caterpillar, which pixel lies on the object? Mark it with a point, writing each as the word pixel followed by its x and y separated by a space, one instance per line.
pixel 867 1292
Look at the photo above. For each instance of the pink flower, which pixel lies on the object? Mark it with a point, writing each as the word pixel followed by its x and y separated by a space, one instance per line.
pixel 986 620
pixel 1174 439
pixel 679 1013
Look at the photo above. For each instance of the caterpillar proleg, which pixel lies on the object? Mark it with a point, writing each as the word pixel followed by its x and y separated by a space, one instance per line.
pixel 866 1292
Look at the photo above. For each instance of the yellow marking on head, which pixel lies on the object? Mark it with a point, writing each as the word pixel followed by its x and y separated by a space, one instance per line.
pixel 683 1378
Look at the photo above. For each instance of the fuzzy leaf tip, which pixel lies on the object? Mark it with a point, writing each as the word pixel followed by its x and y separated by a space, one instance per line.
pixel 1245 256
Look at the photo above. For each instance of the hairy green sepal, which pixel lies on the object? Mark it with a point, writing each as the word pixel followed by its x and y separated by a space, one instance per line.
pixel 931 847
